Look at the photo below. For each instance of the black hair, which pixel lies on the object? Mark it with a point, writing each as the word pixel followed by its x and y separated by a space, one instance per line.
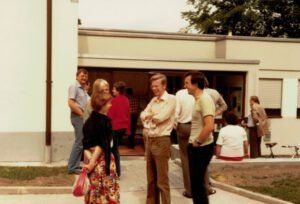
pixel 197 78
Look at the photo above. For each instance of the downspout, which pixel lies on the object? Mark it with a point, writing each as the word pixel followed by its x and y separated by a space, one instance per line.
pixel 48 83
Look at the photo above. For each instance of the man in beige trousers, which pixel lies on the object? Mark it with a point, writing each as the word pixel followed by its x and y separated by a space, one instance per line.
pixel 160 115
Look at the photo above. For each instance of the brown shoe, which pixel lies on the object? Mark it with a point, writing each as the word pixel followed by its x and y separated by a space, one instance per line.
pixel 211 192
pixel 185 194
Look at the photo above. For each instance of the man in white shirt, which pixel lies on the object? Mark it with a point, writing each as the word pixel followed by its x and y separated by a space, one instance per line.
pixel 183 116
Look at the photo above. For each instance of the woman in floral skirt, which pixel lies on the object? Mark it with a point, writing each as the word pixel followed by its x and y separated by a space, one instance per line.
pixel 97 143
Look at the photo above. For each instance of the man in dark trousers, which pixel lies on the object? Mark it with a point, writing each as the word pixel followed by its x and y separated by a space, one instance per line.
pixel 134 108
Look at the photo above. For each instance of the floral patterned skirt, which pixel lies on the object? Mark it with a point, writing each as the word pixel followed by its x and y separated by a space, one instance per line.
pixel 104 188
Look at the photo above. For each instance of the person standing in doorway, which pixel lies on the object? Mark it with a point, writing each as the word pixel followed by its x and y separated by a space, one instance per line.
pixel 134 108
pixel 160 115
pixel 77 100
pixel 120 115
pixel 184 108
pixel 201 146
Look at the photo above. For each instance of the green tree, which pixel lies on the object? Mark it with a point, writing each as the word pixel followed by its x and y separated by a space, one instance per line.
pixel 280 18
pixel 277 18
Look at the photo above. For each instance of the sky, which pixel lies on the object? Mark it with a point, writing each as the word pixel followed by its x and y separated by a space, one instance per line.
pixel 146 15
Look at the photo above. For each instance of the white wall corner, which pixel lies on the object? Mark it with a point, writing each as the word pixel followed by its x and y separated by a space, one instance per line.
pixel 289 97
pixel 47 154
pixel 252 86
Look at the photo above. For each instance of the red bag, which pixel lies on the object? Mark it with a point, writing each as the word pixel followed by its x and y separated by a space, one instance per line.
pixel 82 184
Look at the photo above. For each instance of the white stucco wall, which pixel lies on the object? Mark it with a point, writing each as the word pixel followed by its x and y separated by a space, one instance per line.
pixel 23 66
pixel 64 62
pixel 289 98
pixel 23 62
pixel 151 48
pixel 23 71
pixel 64 65
pixel 273 55
pixel 284 130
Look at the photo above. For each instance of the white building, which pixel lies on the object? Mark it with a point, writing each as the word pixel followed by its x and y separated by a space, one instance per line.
pixel 237 66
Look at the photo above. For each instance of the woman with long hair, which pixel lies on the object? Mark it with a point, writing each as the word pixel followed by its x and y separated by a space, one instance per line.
pixel 97 142
pixel 99 86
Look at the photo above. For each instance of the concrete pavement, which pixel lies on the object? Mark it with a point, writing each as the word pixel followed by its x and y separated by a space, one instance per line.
pixel 133 189
pixel 134 197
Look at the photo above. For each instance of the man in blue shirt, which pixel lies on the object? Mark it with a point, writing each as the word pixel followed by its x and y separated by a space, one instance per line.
pixel 77 100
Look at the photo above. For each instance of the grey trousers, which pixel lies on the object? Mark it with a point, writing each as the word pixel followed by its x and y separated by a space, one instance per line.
pixel 183 134
pixel 76 152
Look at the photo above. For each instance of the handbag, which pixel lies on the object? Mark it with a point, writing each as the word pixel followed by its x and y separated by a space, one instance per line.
pixel 82 184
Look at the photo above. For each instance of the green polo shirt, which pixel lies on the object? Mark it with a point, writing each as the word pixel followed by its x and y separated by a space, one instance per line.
pixel 204 106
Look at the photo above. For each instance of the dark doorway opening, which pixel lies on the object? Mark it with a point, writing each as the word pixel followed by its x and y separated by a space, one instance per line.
pixel 231 85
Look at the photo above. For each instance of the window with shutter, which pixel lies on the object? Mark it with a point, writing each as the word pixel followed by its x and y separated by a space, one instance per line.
pixel 270 93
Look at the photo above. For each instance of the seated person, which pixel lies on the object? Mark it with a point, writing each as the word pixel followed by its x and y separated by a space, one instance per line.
pixel 232 144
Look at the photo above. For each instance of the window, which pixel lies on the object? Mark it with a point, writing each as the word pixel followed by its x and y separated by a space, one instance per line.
pixel 270 92
pixel 298 104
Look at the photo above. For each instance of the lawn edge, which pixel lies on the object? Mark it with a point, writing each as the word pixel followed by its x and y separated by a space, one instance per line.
pixel 249 194
pixel 20 190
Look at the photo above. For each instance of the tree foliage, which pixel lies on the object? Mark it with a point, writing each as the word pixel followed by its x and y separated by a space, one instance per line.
pixel 274 18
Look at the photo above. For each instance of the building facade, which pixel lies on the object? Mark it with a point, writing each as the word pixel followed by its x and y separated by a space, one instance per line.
pixel 237 66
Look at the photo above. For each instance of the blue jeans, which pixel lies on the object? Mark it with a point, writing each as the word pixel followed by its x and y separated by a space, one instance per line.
pixel 76 153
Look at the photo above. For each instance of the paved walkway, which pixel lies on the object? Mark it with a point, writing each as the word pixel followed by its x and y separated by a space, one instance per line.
pixel 133 189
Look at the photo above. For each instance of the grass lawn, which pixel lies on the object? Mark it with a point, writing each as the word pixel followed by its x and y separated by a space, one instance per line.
pixel 35 176
pixel 285 189
pixel 277 180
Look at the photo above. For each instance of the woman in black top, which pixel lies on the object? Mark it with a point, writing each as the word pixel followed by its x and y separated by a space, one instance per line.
pixel 97 143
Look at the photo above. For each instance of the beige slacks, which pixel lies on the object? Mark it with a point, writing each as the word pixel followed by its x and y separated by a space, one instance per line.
pixel 158 151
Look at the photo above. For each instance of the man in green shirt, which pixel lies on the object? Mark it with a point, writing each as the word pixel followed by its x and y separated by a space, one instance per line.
pixel 200 147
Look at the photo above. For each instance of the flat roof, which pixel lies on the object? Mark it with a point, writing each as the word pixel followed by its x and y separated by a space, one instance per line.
pixel 215 61
pixel 176 36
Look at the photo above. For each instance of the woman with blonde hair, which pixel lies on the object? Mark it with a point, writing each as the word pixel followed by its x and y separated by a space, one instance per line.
pixel 97 141
pixel 99 86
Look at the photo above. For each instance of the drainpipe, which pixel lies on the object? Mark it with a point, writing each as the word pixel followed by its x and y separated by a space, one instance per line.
pixel 48 83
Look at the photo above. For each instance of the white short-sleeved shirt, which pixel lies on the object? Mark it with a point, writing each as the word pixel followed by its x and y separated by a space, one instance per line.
pixel 232 138
pixel 184 106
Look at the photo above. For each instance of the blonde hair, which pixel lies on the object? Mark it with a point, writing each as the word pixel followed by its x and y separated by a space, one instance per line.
pixel 160 76
pixel 98 85
pixel 99 100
